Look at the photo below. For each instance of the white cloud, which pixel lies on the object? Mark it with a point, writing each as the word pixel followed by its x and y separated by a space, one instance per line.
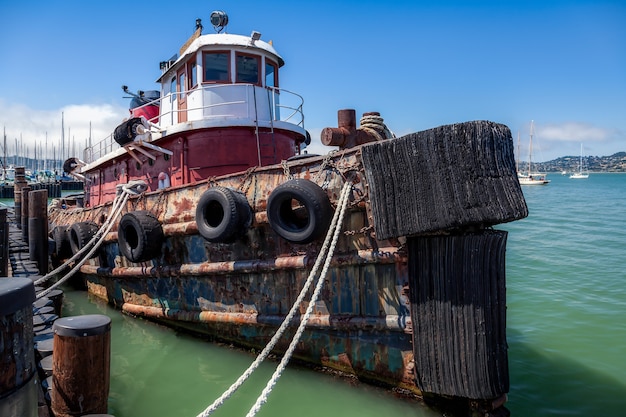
pixel 30 126
pixel 574 131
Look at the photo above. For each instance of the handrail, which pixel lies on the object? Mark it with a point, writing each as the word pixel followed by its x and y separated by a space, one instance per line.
pixel 167 114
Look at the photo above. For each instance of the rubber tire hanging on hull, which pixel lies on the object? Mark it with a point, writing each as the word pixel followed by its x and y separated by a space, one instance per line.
pixel 126 131
pixel 140 236
pixel 222 215
pixel 299 211
pixel 60 235
pixel 80 234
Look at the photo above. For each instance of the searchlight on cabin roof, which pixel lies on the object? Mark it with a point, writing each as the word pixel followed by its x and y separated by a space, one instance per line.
pixel 219 20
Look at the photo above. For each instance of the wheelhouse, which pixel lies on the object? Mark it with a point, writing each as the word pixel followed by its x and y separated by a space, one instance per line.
pixel 220 109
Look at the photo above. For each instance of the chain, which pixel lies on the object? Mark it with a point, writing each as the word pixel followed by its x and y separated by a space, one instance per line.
pixel 286 169
pixel 327 162
pixel 245 178
pixel 362 231
pixel 156 207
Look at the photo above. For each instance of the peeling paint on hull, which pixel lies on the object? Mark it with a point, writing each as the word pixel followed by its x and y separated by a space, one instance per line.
pixel 241 292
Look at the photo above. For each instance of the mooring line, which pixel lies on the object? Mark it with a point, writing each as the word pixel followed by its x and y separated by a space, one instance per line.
pixel 82 250
pixel 262 399
pixel 96 246
pixel 333 233
pixel 131 188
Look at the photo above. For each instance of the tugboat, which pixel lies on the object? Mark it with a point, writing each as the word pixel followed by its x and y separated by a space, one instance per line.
pixel 202 211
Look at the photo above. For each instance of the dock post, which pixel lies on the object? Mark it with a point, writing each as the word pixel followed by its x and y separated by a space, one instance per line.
pixel 4 243
pixel 20 181
pixel 38 228
pixel 18 384
pixel 80 365
pixel 25 191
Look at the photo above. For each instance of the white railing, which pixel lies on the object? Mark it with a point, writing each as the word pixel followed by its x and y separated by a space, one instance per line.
pixel 261 105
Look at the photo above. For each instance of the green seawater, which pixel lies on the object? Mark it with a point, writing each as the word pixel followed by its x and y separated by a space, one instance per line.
pixel 566 330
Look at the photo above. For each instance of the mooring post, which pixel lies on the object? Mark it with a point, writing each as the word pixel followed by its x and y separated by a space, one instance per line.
pixel 38 228
pixel 4 243
pixel 24 217
pixel 18 385
pixel 20 181
pixel 80 365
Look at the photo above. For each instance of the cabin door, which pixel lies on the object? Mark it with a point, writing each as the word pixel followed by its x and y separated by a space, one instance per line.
pixel 181 85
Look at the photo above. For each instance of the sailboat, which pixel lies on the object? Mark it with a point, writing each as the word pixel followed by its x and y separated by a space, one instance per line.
pixel 580 174
pixel 530 178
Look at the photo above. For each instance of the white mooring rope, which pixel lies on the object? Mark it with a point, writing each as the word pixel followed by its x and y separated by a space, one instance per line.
pixel 91 252
pixel 83 249
pixel 132 188
pixel 328 248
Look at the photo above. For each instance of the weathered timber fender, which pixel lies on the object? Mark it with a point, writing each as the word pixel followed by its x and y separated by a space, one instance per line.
pixel 222 215
pixel 458 310
pixel 468 168
pixel 80 234
pixel 305 221
pixel 139 236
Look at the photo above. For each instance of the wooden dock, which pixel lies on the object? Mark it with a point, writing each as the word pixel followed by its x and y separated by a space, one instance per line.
pixel 29 392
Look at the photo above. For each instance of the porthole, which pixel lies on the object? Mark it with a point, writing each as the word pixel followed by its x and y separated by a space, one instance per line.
pixel 166 157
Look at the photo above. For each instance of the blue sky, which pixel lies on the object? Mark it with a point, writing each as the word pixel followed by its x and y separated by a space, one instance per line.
pixel 420 64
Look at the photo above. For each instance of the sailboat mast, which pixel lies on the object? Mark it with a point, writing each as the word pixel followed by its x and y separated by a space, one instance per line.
pixel 580 164
pixel 517 159
pixel 530 148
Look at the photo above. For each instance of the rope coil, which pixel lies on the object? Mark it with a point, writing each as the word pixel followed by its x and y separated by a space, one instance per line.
pixel 375 126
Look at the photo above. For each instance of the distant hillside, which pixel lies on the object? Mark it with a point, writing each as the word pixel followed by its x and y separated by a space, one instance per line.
pixel 612 163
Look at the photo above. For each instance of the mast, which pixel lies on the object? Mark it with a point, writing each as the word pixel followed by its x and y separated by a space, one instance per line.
pixel 4 160
pixel 580 164
pixel 517 159
pixel 62 136
pixel 530 148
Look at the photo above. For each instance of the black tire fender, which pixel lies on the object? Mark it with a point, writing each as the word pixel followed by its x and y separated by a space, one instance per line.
pixel 80 234
pixel 299 211
pixel 140 236
pixel 222 215
pixel 61 239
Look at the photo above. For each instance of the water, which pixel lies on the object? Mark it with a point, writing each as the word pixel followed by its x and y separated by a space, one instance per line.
pixel 566 316
pixel 566 330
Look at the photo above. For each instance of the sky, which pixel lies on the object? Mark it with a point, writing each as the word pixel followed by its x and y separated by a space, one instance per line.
pixel 421 64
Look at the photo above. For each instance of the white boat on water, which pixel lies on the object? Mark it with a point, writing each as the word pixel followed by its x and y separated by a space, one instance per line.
pixel 529 177
pixel 580 174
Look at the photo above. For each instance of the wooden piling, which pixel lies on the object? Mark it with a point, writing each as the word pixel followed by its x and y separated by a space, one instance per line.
pixel 24 217
pixel 80 365
pixel 4 243
pixel 20 181
pixel 38 228
pixel 17 357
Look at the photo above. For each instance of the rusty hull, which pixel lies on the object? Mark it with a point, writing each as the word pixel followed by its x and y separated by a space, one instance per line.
pixel 241 292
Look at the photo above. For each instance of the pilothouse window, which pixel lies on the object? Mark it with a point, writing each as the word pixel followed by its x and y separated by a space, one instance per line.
pixel 193 78
pixel 216 66
pixel 271 74
pixel 248 68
